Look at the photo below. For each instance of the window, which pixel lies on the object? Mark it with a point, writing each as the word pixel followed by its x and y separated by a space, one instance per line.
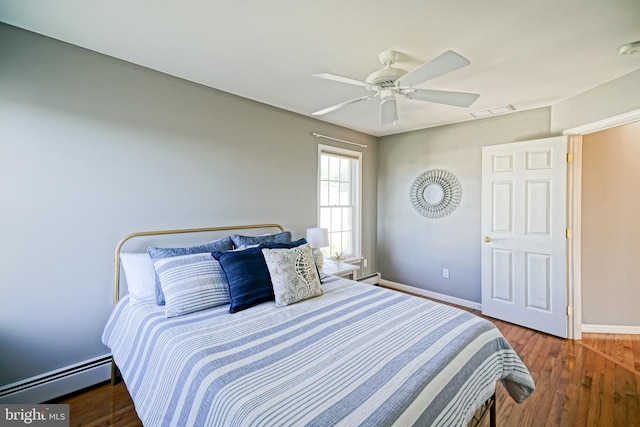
pixel 339 192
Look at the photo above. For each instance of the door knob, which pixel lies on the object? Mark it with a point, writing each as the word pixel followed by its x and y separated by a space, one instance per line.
pixel 487 239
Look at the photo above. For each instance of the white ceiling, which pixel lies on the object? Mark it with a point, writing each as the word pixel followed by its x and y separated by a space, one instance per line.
pixel 527 53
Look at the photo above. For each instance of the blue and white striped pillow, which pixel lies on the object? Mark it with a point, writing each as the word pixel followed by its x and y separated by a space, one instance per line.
pixel 191 283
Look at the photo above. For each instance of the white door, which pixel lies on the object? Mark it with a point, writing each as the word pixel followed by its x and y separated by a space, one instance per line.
pixel 524 262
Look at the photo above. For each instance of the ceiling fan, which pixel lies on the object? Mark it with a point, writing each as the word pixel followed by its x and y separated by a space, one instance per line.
pixel 388 82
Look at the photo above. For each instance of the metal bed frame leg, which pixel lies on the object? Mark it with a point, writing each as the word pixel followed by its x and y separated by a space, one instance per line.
pixel 492 411
pixel 114 373
pixel 488 406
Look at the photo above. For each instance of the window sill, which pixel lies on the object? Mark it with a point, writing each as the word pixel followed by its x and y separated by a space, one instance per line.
pixel 350 260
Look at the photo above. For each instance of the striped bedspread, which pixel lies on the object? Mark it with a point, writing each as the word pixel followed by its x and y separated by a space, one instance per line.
pixel 358 355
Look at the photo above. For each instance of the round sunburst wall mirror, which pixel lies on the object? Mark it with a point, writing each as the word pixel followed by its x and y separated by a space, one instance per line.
pixel 435 193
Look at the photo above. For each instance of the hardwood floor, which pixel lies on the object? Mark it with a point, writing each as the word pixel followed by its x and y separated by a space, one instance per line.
pixel 593 382
pixel 103 405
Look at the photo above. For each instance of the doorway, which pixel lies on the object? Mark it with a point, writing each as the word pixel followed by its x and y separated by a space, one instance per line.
pixel 576 247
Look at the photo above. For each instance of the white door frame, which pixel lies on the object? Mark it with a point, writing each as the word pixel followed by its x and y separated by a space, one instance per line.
pixel 574 212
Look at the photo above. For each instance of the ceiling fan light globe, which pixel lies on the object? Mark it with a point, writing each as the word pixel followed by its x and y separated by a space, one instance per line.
pixel 387 94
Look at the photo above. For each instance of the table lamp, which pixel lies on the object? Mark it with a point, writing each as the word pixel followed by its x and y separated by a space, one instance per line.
pixel 318 238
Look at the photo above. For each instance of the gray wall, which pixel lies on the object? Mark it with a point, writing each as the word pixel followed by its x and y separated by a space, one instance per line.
pixel 613 98
pixel 412 249
pixel 93 148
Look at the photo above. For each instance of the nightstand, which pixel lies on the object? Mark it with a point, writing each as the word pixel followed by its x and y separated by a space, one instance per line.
pixel 342 270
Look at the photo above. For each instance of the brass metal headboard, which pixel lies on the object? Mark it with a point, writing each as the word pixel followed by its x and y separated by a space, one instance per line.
pixel 116 282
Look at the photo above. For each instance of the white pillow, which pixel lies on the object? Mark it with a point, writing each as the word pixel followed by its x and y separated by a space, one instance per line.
pixel 191 283
pixel 140 275
pixel 293 274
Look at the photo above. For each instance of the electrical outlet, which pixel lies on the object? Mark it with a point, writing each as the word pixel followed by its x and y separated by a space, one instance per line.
pixel 364 263
pixel 445 273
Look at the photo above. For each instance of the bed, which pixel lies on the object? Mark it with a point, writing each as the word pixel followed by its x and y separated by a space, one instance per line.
pixel 347 354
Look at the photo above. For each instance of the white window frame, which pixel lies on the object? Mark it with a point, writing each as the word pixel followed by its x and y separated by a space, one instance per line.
pixel 356 190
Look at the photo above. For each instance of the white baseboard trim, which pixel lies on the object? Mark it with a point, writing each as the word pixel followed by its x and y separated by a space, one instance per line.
pixel 48 386
pixel 433 295
pixel 611 329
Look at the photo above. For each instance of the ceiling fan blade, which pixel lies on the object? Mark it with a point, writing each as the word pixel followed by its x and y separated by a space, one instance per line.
pixel 388 111
pixel 336 78
pixel 443 64
pixel 459 99
pixel 342 104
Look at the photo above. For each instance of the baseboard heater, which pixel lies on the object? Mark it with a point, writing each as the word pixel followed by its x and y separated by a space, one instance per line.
pixel 48 386
pixel 372 279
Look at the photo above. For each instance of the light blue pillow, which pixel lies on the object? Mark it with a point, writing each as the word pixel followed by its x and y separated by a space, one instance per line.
pixel 239 241
pixel 191 283
pixel 222 245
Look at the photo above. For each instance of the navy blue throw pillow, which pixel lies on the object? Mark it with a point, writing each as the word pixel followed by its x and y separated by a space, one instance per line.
pixel 240 241
pixel 248 277
pixel 282 245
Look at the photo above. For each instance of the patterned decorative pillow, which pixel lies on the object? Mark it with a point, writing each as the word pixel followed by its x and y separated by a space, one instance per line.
pixel 293 274
pixel 224 244
pixel 239 240
pixel 295 243
pixel 191 283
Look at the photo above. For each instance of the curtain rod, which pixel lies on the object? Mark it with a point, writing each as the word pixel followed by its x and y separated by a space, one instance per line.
pixel 317 135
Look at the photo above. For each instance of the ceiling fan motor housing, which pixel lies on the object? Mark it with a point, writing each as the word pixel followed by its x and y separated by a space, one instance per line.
pixel 385 77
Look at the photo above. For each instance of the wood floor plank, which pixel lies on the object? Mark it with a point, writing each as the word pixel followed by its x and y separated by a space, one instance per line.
pixel 593 369
pixel 633 399
pixel 553 382
pixel 607 394
pixel 576 408
pixel 560 399
pixel 624 401
pixel 635 340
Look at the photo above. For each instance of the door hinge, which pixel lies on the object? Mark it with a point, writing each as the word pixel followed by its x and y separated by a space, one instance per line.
pixel 569 310
pixel 569 157
pixel 569 233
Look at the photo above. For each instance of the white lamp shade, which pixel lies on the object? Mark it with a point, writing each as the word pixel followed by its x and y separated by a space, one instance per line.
pixel 318 237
